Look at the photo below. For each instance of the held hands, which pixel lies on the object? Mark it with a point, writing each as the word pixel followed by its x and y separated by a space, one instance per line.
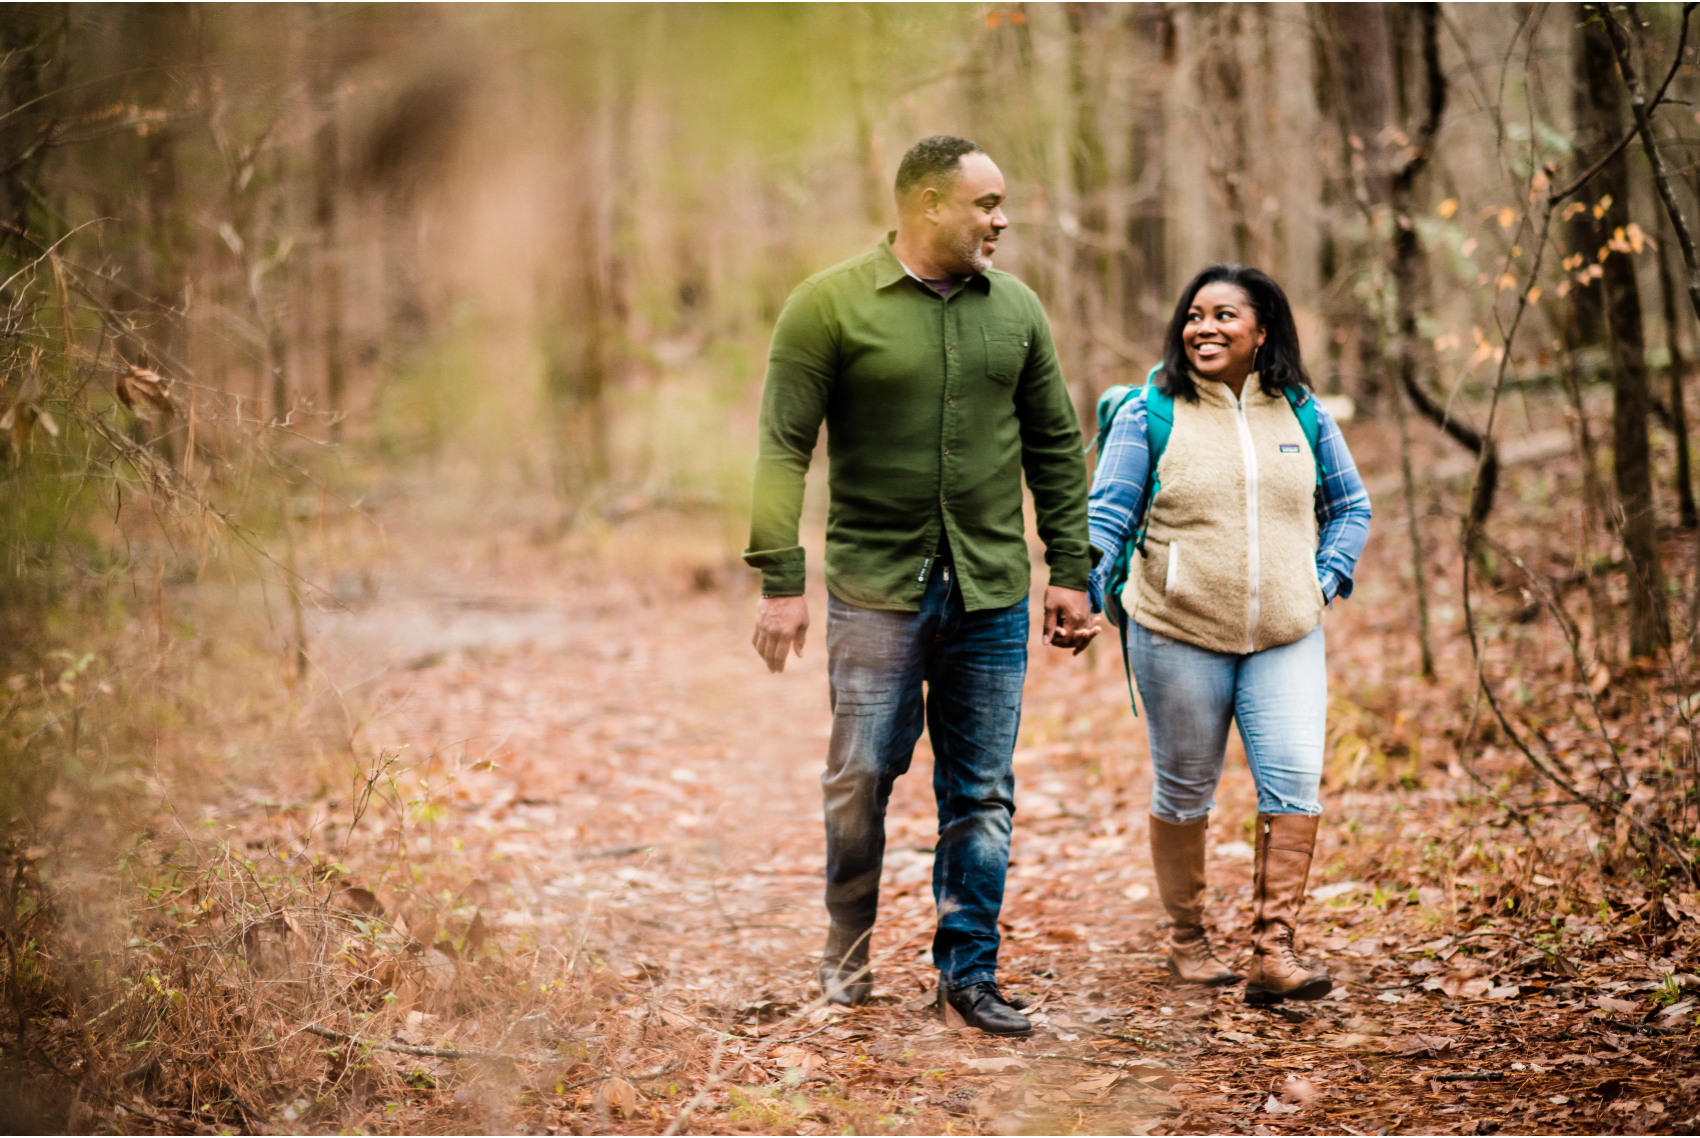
pixel 1069 620
pixel 782 623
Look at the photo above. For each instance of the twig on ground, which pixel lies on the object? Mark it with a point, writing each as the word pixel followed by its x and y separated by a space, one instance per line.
pixel 408 1048
pixel 1155 1045
pixel 658 1073
pixel 1122 1066
pixel 1642 1028
pixel 1469 1077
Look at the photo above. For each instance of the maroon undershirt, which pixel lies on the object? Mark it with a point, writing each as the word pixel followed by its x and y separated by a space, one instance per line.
pixel 943 286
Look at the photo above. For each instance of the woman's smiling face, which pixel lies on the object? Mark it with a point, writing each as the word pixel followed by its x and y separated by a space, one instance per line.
pixel 1222 334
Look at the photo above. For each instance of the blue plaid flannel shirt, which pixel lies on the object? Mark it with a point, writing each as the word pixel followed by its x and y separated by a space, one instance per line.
pixel 1118 496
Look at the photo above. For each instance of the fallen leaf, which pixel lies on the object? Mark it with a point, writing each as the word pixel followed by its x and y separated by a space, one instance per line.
pixel 476 934
pixel 1238 851
pixel 1275 1106
pixel 617 1095
pixel 996 1065
pixel 358 900
pixel 1612 1004
pixel 1678 1009
pixel 1136 892
pixel 1599 678
pixel 1503 992
pixel 1236 1036
pixel 1298 1090
pixel 137 385
pixel 1463 986
pixel 1412 1046
pixel 1097 1083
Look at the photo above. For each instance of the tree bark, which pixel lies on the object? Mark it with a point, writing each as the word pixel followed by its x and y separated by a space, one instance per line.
pixel 1677 412
pixel 1602 102
pixel 1407 257
pixel 1360 59
pixel 326 168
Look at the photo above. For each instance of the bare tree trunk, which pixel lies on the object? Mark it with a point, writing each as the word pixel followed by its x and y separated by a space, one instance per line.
pixel 1144 253
pixel 1089 246
pixel 1678 371
pixel 326 167
pixel 1602 103
pixel 1407 255
pixel 1593 496
pixel 1358 50
pixel 1223 80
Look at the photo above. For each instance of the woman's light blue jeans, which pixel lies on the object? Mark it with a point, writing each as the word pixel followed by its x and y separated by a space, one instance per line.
pixel 1279 697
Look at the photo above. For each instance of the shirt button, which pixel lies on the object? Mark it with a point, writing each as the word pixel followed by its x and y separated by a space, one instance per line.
pixel 949 400
pixel 947 450
pixel 950 350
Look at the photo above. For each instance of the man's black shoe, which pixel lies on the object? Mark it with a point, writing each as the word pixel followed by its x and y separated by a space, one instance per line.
pixel 981 1006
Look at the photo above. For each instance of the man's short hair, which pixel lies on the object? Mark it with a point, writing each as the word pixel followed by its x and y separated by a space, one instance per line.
pixel 932 162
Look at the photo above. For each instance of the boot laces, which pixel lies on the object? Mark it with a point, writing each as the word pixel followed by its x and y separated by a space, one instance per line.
pixel 1284 947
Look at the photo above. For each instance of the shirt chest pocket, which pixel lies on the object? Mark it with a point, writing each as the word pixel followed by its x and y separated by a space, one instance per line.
pixel 1006 351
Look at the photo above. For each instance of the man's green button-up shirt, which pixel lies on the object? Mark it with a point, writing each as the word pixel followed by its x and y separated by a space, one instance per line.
pixel 933 409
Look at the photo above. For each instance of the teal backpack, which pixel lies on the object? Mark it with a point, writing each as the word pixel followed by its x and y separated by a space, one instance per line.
pixel 1159 423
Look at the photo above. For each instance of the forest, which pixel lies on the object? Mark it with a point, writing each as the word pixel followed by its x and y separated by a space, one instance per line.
pixel 381 745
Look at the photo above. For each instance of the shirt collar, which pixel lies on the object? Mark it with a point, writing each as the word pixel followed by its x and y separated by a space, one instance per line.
pixel 890 270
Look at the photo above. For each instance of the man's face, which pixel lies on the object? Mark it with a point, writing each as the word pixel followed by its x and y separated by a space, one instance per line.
pixel 968 217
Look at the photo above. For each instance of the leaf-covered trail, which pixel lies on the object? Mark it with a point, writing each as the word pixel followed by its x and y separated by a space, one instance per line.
pixel 616 776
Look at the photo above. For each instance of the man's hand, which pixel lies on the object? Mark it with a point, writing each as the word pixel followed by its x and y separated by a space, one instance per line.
pixel 1069 620
pixel 782 623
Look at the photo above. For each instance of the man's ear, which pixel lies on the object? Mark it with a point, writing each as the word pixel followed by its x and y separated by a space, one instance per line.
pixel 928 200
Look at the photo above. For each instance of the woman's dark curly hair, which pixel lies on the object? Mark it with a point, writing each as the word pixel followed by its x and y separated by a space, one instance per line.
pixel 1277 362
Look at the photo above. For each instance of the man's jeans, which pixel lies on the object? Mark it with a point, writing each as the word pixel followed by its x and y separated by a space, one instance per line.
pixel 973 665
pixel 1279 697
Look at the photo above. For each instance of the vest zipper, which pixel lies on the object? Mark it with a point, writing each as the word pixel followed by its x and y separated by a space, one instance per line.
pixel 1249 452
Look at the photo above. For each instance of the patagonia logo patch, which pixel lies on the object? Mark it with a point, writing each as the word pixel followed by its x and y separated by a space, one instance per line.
pixel 1289 448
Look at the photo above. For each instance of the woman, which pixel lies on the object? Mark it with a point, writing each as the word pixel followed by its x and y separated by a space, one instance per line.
pixel 1255 523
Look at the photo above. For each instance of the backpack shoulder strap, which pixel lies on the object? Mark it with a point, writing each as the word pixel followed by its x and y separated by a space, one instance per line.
pixel 1110 404
pixel 1159 420
pixel 1304 406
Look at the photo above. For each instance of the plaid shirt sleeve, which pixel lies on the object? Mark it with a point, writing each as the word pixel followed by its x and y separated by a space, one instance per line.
pixel 1118 493
pixel 1342 510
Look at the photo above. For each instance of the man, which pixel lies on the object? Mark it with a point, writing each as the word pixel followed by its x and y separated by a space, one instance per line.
pixel 939 384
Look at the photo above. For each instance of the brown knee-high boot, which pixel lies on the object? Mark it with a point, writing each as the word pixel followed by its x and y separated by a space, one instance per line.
pixel 1285 843
pixel 1177 854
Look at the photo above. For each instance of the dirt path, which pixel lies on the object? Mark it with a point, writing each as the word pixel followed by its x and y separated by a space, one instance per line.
pixel 624 782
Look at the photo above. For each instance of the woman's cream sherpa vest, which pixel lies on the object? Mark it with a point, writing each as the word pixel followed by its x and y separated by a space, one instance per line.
pixel 1230 559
